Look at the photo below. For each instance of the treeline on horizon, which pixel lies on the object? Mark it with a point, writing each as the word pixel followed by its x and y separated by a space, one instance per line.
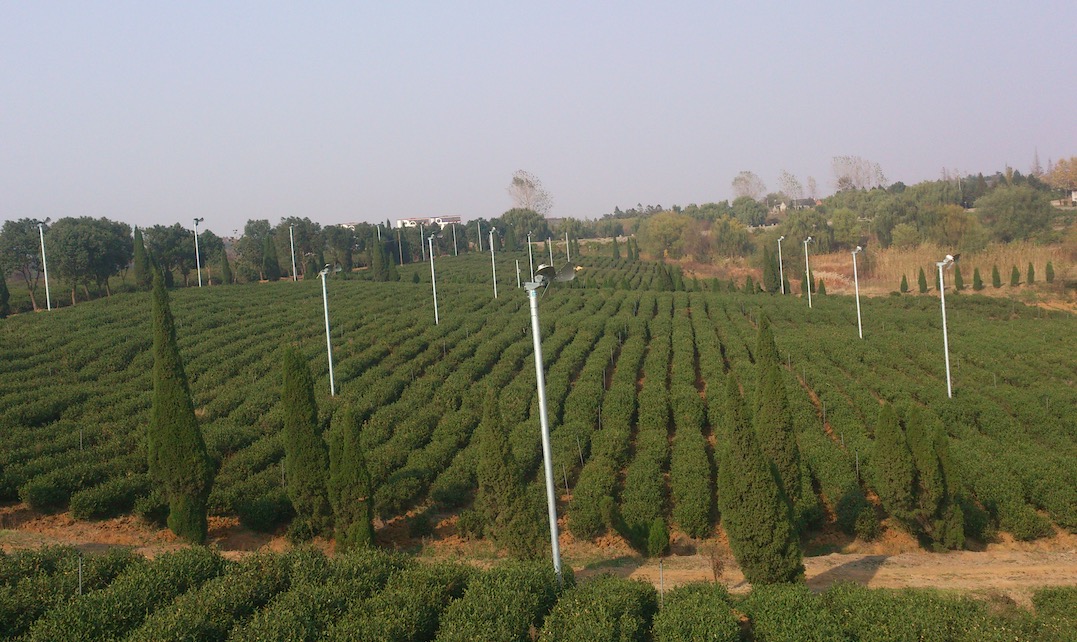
pixel 86 255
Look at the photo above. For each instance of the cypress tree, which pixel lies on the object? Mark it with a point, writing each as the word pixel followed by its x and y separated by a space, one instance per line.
pixel 894 467
pixel 921 281
pixel 616 250
pixel 749 285
pixel 977 282
pixel 938 280
pixel 771 279
pixel 349 487
pixel 140 263
pixel 788 289
pixel 1015 277
pixel 822 288
pixel 904 284
pixel 773 421
pixel 959 282
pixel 506 509
pixel 270 264
pixel 226 270
pixel 5 297
pixel 1049 273
pixel 176 452
pixel 996 278
pixel 305 455
pixel 756 515
pixel 1030 278
pixel 804 288
pixel 310 270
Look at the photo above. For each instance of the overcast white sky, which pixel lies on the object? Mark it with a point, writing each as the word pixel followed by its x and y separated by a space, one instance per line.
pixel 157 112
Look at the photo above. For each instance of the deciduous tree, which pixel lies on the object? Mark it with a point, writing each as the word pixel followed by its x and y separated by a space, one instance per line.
pixel 528 193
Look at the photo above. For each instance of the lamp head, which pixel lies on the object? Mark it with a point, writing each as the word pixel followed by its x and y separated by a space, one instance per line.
pixel 858 250
pixel 781 238
pixel 808 240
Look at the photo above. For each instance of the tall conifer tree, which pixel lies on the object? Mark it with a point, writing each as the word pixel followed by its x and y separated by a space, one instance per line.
pixel 305 454
pixel 350 492
pixel 921 281
pixel 176 452
pixel 270 264
pixel 755 513
pixel 977 280
pixel 140 263
pixel 894 467
pixel 773 420
pixel 5 296
pixel 226 269
pixel 1015 277
pixel 996 278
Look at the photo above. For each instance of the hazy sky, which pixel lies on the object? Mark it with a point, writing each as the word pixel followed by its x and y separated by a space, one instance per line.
pixel 157 112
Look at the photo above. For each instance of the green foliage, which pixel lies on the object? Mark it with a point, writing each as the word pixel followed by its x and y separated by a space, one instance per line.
pixel 822 288
pixel 894 471
pixel 110 499
pixel 503 604
pixel 226 270
pixel 5 296
pixel 789 614
pixel 305 454
pixel 111 612
pixel 1030 275
pixel 996 278
pixel 773 422
pixel 921 281
pixel 959 281
pixel 349 484
pixel 904 284
pixel 657 538
pixel 178 463
pixel 1049 273
pixel 698 612
pixel 616 249
pixel 270 264
pixel 605 609
pixel 140 263
pixel 756 514
pixel 977 282
pixel 1015 277
pixel 771 277
pixel 1015 213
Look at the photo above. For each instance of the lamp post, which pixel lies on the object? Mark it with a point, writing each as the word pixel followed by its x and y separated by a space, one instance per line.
pixel 943 264
pixel 44 263
pixel 328 341
pixel 781 268
pixel 543 277
pixel 291 239
pixel 478 233
pixel 422 247
pixel 549 244
pixel 455 248
pixel 493 266
pixel 197 257
pixel 807 272
pixel 856 284
pixel 518 273
pixel 433 279
pixel 530 259
pixel 568 249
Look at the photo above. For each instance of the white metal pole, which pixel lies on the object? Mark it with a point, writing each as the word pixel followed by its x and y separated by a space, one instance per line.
pixel 518 285
pixel 328 340
pixel 493 266
pixel 856 284
pixel 197 257
pixel 781 268
pixel 530 259
pixel 547 460
pixel 422 248
pixel 45 265
pixel 549 242
pixel 807 272
pixel 945 339
pixel 433 279
pixel 568 251
pixel 478 233
pixel 455 248
pixel 291 239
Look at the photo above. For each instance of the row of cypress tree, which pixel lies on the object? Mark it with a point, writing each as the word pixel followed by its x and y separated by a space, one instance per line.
pixel 977 280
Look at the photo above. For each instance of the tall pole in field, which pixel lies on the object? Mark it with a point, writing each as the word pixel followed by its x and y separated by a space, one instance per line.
pixel 947 262
pixel 518 273
pixel 455 248
pixel 291 239
pixel 433 279
pixel 549 243
pixel 493 266
pixel 781 268
pixel 197 258
pixel 328 340
pixel 568 250
pixel 399 246
pixel 807 272
pixel 543 278
pixel 422 247
pixel 856 283
pixel 530 259
pixel 478 234
pixel 44 263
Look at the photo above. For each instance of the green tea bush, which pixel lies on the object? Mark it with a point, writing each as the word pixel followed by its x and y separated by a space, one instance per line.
pixel 114 497
pixel 699 612
pixel 789 612
pixel 605 609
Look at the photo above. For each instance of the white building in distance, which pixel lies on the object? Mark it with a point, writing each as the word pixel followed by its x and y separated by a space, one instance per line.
pixel 441 221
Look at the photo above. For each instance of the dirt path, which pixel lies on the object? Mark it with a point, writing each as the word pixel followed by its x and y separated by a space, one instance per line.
pixel 1009 568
